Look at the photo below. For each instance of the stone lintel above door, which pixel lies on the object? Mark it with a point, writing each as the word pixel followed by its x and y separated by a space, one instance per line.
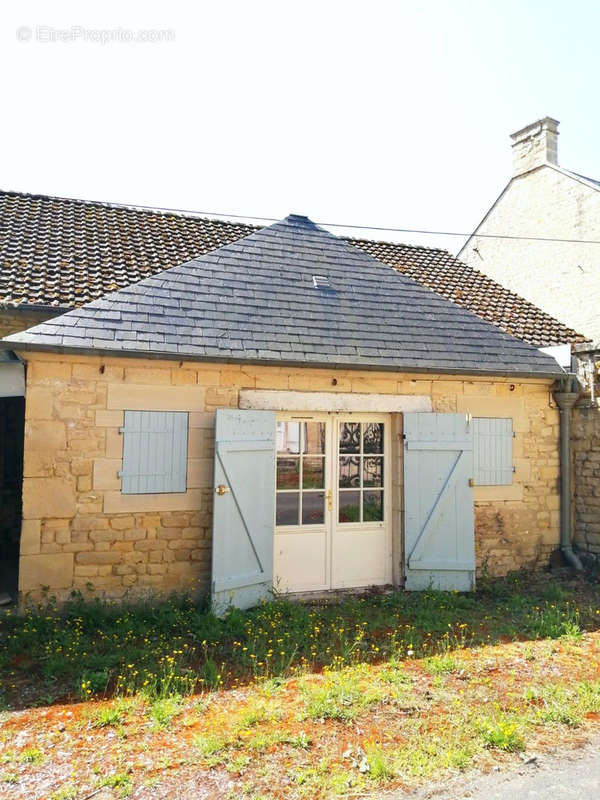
pixel 283 400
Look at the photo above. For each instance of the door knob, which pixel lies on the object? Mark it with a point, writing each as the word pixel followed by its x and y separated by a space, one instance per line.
pixel 222 489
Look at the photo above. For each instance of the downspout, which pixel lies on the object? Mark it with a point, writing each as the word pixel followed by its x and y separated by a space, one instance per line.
pixel 566 396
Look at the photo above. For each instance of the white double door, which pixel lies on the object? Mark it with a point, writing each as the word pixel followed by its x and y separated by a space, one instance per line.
pixel 333 509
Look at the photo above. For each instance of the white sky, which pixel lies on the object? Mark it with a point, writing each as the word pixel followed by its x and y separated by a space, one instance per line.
pixel 374 113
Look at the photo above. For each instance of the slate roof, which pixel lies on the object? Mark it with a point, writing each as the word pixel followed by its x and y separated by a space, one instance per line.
pixel 62 253
pixel 255 299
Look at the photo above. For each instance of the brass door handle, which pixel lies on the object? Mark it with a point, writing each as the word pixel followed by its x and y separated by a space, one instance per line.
pixel 329 500
pixel 221 489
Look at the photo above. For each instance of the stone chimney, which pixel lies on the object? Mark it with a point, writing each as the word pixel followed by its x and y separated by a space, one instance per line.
pixel 534 145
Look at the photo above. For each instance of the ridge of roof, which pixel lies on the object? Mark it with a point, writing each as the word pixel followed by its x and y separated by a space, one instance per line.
pixel 58 252
pixel 255 299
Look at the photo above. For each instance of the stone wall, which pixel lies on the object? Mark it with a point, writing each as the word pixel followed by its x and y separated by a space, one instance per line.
pixel 13 320
pixel 561 278
pixel 80 532
pixel 585 441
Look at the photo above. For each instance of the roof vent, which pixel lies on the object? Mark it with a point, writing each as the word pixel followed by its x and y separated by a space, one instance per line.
pixel 321 282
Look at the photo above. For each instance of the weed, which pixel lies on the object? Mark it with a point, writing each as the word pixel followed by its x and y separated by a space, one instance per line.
pixel 442 665
pixel 92 683
pixel 31 756
pixel 210 744
pixel 256 713
pixel 564 705
pixel 341 695
pixel 380 764
pixel 237 763
pixel 501 733
pixel 164 710
pixel 121 782
pixel 551 621
pixel 67 792
pixel 107 717
pixel 299 740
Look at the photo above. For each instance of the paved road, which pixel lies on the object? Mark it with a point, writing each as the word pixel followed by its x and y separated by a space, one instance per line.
pixel 573 776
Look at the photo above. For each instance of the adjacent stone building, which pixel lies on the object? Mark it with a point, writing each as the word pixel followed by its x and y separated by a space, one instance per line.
pixel 544 200
pixel 547 201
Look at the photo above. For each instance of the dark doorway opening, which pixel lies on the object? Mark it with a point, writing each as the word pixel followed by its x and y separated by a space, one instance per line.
pixel 12 425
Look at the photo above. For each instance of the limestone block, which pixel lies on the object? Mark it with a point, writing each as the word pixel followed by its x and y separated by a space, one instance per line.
pixel 45 436
pixel 38 464
pixel 105 473
pixel 221 397
pixel 208 376
pixel 200 473
pixel 202 419
pixel 273 382
pixel 84 483
pixel 182 376
pixel 47 371
pixel 115 502
pixel 147 375
pixel 122 523
pixel 87 372
pixel 447 388
pixel 236 378
pixel 109 418
pixel 30 537
pixel 48 497
pixel 39 402
pixel 144 397
pixel 512 491
pixel 54 570
pixel 93 557
pixel 114 443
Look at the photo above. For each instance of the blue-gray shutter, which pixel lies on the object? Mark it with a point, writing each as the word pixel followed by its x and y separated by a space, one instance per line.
pixel 243 508
pixel 492 451
pixel 439 525
pixel 154 452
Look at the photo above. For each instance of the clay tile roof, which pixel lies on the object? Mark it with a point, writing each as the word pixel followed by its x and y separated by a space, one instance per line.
pixel 64 253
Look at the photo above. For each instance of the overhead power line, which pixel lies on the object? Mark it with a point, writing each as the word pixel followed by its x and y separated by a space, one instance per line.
pixel 381 228
pixel 348 225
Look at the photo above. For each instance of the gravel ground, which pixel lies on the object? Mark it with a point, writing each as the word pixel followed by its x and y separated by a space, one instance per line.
pixel 572 775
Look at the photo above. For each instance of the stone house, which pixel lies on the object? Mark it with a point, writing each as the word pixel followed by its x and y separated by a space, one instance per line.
pixel 545 200
pixel 284 410
pixel 57 254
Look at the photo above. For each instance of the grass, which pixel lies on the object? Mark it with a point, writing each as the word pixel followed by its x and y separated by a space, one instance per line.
pixel 298 701
pixel 443 664
pixel 165 709
pixel 341 695
pixel 99 650
pixel 503 733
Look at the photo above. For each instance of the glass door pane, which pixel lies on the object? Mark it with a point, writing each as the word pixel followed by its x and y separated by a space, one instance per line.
pixel 360 472
pixel 300 473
